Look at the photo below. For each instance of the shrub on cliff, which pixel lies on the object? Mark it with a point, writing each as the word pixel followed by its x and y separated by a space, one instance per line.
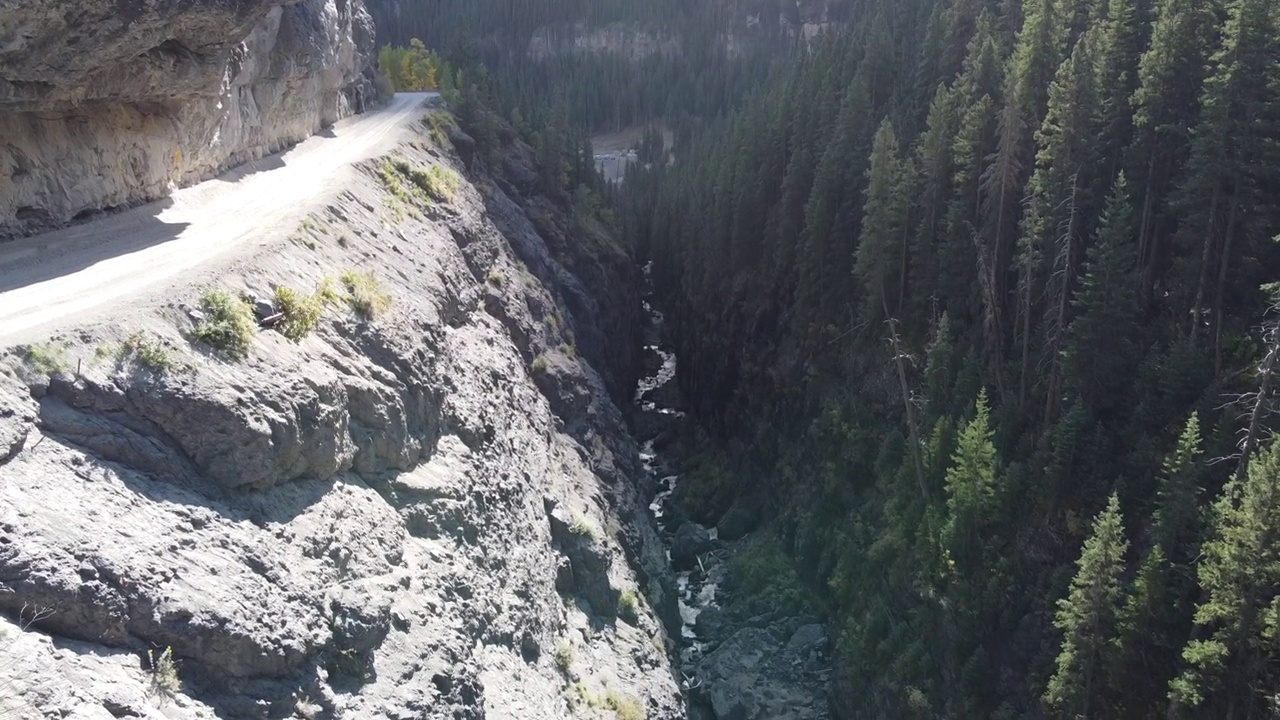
pixel 228 323
pixel 303 312
pixel 365 294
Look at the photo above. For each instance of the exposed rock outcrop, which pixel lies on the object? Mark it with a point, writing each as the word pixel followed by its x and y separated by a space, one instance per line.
pixel 112 103
pixel 387 519
pixel 757 674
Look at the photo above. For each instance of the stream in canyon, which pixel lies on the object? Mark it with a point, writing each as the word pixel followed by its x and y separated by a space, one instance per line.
pixel 738 659
pixel 658 402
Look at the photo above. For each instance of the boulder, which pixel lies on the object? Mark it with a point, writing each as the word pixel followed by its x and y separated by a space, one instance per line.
pixel 690 541
pixel 751 675
pixel 808 638
pixel 589 562
pixel 710 623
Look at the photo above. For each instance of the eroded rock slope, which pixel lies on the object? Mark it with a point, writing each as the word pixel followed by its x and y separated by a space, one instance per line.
pixel 108 103
pixel 434 513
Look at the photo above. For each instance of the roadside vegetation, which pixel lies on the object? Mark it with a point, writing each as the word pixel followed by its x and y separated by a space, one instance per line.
pixel 46 358
pixel 416 186
pixel 413 68
pixel 228 325
pixel 439 123
pixel 302 313
pixel 148 351
pixel 365 294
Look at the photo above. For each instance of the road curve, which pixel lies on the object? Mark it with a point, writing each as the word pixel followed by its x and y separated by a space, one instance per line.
pixel 50 278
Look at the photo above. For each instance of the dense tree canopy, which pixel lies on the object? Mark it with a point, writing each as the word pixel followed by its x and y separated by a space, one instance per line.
pixel 976 292
pixel 1066 210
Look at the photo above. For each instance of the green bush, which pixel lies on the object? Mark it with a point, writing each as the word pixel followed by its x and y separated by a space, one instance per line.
pixel 584 528
pixel 164 673
pixel 439 182
pixel 147 351
pixel 438 124
pixel 302 314
pixel 627 707
pixel 629 606
pixel 46 359
pixel 424 185
pixel 365 294
pixel 228 324
pixel 767 575
pixel 564 657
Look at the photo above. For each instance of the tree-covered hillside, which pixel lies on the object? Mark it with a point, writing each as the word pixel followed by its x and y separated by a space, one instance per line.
pixel 982 288
pixel 610 64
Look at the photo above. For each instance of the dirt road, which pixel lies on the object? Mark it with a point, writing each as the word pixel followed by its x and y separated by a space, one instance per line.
pixel 51 278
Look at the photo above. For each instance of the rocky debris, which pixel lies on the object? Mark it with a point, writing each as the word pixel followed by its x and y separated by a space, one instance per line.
pixel 589 559
pixel 754 675
pixel 351 526
pixel 106 104
pixel 711 623
pixel 262 307
pixel 808 639
pixel 690 541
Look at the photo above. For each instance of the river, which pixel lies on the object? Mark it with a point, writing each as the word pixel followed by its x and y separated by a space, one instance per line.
pixel 772 665
pixel 657 397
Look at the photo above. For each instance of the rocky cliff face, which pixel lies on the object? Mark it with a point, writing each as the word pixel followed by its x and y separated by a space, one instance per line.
pixel 434 514
pixel 110 103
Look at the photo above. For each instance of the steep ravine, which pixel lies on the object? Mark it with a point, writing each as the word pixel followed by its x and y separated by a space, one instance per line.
pixel 739 656
pixel 436 513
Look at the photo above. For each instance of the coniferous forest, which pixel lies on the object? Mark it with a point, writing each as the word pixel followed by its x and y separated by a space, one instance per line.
pixel 981 296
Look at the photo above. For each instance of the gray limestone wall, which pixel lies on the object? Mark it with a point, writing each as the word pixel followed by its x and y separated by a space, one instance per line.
pixel 106 104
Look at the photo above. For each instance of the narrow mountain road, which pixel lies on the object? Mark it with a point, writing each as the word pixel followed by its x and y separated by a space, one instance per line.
pixel 51 278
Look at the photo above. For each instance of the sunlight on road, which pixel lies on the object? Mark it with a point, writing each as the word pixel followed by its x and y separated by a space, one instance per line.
pixel 57 275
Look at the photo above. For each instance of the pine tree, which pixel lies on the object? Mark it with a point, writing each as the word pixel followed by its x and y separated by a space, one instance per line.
pixel 1165 105
pixel 1234 665
pixel 969 287
pixel 1100 351
pixel 1087 617
pixel 1226 190
pixel 1157 617
pixel 929 187
pixel 1177 515
pixel 972 489
pixel 1031 68
pixel 1117 67
pixel 880 253
pixel 1146 655
pixel 1054 229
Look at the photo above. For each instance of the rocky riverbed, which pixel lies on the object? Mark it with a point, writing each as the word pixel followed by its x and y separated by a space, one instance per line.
pixel 739 658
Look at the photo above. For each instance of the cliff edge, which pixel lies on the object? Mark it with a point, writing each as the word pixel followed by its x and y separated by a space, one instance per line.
pixel 409 496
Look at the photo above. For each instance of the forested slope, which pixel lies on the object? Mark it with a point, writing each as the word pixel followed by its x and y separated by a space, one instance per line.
pixel 977 292
pixel 608 65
